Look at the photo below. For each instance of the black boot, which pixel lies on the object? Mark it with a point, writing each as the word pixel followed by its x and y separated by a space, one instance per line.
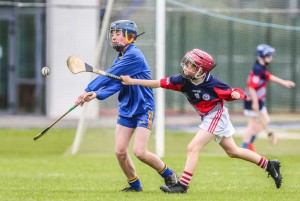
pixel 171 180
pixel 130 189
pixel 273 168
pixel 177 188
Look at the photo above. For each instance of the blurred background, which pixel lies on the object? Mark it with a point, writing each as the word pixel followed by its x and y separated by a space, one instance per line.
pixel 38 33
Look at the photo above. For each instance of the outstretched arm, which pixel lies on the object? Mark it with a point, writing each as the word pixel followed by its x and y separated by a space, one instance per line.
pixel 127 80
pixel 231 94
pixel 254 99
pixel 286 83
pixel 235 95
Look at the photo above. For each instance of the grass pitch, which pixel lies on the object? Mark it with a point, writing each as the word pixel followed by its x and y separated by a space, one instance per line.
pixel 42 170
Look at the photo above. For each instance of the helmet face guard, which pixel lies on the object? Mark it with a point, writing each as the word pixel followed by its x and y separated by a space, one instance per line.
pixel 268 59
pixel 187 63
pixel 128 28
pixel 265 52
pixel 199 60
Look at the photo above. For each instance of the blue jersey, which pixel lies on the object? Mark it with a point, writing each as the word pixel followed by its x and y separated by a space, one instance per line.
pixel 204 97
pixel 133 99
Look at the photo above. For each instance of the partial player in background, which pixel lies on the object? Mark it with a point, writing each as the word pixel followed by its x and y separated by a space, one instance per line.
pixel 136 105
pixel 255 109
pixel 207 94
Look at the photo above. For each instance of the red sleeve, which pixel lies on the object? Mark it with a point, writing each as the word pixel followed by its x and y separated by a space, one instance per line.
pixel 167 84
pixel 253 81
pixel 226 94
pixel 268 75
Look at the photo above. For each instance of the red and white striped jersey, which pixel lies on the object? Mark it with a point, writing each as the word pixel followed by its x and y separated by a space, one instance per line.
pixel 258 79
pixel 204 97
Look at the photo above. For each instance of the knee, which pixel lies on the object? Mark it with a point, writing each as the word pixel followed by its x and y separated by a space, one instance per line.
pixel 191 149
pixel 121 153
pixel 140 153
pixel 232 153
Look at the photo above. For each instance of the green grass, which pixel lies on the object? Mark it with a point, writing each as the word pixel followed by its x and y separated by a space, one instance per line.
pixel 42 170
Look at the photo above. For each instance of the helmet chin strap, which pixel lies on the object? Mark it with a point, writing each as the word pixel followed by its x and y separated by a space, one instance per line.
pixel 263 61
pixel 268 61
pixel 120 47
pixel 200 76
pixel 191 78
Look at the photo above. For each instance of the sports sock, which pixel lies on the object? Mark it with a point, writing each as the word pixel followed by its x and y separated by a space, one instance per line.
pixel 135 183
pixel 245 145
pixel 263 163
pixel 186 178
pixel 252 139
pixel 165 171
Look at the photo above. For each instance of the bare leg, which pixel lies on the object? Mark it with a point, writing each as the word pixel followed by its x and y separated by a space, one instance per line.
pixel 122 138
pixel 252 129
pixel 271 166
pixel 234 151
pixel 264 120
pixel 141 149
pixel 198 142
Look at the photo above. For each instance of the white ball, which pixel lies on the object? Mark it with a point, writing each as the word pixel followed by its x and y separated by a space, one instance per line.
pixel 45 71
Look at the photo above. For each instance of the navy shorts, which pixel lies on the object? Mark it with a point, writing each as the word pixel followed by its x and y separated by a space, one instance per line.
pixel 248 105
pixel 144 120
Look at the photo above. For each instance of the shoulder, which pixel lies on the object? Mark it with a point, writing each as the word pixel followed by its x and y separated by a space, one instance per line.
pixel 209 78
pixel 176 79
pixel 132 50
pixel 215 82
pixel 257 69
pixel 133 54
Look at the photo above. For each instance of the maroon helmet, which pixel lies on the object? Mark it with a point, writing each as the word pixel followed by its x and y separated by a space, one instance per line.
pixel 200 60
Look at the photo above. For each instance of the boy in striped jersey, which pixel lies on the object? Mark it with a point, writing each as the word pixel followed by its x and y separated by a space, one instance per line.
pixel 256 90
pixel 207 94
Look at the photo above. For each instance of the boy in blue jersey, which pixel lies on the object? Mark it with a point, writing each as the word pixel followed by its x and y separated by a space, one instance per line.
pixel 136 105
pixel 255 109
pixel 207 94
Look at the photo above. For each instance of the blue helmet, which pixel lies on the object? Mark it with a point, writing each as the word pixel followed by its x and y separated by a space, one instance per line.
pixel 126 26
pixel 263 50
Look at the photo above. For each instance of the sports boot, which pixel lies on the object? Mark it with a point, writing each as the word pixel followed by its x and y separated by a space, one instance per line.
pixel 272 138
pixel 177 188
pixel 273 170
pixel 130 189
pixel 251 147
pixel 172 179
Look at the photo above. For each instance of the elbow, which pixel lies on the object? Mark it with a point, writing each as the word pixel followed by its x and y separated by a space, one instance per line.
pixel 100 96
